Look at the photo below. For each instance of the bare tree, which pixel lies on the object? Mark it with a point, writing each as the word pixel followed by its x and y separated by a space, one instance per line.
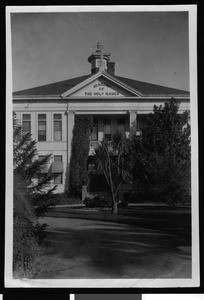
pixel 112 159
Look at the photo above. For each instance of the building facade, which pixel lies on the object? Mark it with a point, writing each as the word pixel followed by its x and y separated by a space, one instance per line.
pixel 117 104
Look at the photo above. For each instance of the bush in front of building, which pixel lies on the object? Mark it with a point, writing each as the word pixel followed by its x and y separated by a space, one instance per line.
pixel 97 201
pixel 102 202
pixel 79 156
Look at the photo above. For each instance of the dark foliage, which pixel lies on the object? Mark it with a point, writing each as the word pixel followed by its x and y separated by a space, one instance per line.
pixel 102 202
pixel 30 200
pixel 79 156
pixel 161 155
pixel 27 166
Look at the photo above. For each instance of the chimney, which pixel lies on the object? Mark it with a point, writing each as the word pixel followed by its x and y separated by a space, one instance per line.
pixel 111 68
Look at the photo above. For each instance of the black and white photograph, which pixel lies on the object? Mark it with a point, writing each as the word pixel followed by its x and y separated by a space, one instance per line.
pixel 102 147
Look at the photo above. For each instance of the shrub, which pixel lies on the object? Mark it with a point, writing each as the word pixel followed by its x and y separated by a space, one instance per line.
pixel 102 202
pixel 97 201
pixel 26 242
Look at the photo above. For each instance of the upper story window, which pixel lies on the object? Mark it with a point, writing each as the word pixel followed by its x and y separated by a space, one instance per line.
pixel 26 123
pixel 107 129
pixel 94 130
pixel 57 127
pixel 42 127
pixel 121 126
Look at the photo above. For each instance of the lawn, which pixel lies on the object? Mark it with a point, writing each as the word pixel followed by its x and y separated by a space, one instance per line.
pixel 139 242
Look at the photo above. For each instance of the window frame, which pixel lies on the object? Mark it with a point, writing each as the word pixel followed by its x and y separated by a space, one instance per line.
pixel 55 156
pixel 45 131
pixel 54 131
pixel 54 178
pixel 27 121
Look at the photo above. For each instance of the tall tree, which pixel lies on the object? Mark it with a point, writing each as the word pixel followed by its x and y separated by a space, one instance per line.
pixel 80 151
pixel 27 167
pixel 30 200
pixel 161 156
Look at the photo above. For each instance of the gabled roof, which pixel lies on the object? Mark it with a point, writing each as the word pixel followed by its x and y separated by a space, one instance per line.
pixel 61 87
pixel 152 89
pixel 96 79
pixel 56 88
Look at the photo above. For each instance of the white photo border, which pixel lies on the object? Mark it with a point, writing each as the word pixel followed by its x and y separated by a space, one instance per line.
pixel 114 283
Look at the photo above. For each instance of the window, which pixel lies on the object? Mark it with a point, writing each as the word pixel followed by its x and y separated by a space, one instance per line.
pixel 58 178
pixel 107 129
pixel 57 127
pixel 42 127
pixel 94 130
pixel 121 126
pixel 26 123
pixel 58 158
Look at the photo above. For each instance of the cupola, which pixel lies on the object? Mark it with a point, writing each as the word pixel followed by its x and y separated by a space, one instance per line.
pixel 101 61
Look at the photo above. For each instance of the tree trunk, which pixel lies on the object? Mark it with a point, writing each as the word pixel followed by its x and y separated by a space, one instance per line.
pixel 115 208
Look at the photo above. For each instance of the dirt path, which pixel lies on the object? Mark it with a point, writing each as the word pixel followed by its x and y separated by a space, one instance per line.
pixel 99 249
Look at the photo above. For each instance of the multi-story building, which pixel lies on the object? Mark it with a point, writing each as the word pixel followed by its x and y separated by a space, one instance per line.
pixel 118 104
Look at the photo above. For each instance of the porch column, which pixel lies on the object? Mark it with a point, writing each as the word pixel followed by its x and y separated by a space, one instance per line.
pixel 133 122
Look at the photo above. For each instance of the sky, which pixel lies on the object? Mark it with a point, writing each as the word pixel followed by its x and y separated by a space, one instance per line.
pixel 146 46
